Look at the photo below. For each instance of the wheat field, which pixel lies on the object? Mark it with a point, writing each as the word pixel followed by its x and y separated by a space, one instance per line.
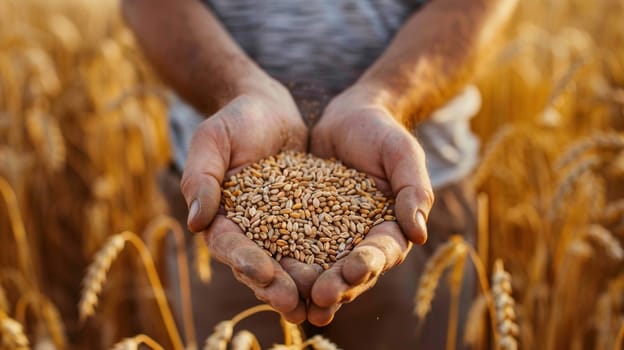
pixel 83 137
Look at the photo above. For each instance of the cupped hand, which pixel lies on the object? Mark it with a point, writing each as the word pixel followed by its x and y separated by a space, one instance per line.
pixel 253 125
pixel 364 135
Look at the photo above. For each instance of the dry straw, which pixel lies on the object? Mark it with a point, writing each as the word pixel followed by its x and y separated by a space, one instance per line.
pixel 96 275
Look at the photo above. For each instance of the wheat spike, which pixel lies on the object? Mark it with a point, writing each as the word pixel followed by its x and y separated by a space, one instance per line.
pixel 245 340
pixel 45 133
pixel 283 347
pixel 318 342
pixel 568 181
pixel 491 152
pixel 126 344
pixel 603 140
pixel 605 239
pixel 96 275
pixel 134 343
pixel 222 334
pixel 443 257
pixel 613 211
pixel 506 327
pixel 292 333
pixel 12 334
pixel 202 259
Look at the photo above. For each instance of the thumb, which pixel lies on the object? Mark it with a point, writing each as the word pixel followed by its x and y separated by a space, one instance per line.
pixel 406 170
pixel 203 173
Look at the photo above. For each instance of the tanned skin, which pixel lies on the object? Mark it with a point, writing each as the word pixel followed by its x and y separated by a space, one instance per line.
pixel 252 116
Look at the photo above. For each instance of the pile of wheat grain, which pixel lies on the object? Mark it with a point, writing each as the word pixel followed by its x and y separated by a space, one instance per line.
pixel 304 207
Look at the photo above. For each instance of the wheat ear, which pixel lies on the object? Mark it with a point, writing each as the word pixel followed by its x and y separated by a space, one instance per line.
pixel 292 333
pixel 134 343
pixel 12 334
pixel 318 342
pixel 506 326
pixel 245 340
pixel 568 181
pixel 96 275
pixel 222 334
pixel 605 239
pixel 603 140
pixel 443 257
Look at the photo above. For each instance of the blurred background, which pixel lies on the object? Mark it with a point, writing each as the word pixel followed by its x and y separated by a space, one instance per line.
pixel 83 138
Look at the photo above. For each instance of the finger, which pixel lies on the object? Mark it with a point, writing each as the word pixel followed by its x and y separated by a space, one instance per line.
pixel 281 293
pixel 205 167
pixel 383 248
pixel 229 245
pixel 320 316
pixel 303 274
pixel 404 164
pixel 298 315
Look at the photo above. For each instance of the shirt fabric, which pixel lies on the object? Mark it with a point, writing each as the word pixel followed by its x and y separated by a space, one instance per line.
pixel 328 44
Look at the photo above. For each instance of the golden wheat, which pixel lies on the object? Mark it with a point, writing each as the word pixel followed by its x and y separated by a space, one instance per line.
pixel 244 340
pixel 606 240
pixel 12 335
pixel 506 325
pixel 202 259
pixel 443 257
pixel 134 343
pixel 221 336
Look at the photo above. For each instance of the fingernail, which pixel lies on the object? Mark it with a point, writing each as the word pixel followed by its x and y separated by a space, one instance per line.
pixel 193 210
pixel 422 224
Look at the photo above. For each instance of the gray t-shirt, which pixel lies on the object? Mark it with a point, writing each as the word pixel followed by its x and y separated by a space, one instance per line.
pixel 320 47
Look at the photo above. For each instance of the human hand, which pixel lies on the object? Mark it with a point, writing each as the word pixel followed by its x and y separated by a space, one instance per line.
pixel 261 121
pixel 364 135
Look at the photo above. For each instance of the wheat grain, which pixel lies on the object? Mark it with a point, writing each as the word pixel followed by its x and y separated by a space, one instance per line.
pixel 12 334
pixel 244 340
pixel 506 326
pixel 307 208
pixel 444 256
pixel 96 275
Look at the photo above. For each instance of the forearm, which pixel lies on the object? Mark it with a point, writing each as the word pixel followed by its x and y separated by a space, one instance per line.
pixel 192 51
pixel 433 55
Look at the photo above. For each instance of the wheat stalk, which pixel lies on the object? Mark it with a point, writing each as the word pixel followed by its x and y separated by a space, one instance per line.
pixel 506 326
pixel 134 343
pixel 443 257
pixel 202 259
pixel 46 313
pixel 96 275
pixel 475 323
pixel 154 233
pixel 12 334
pixel 455 279
pixel 245 340
pixel 4 301
pixel 18 230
